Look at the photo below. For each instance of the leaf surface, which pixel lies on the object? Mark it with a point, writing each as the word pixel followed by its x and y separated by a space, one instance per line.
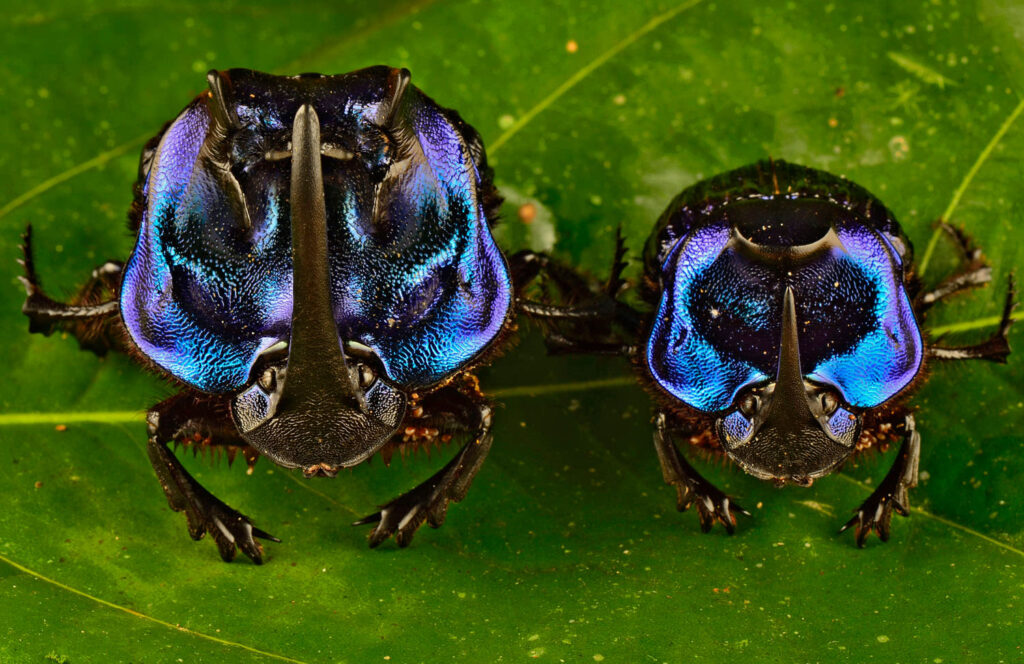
pixel 568 547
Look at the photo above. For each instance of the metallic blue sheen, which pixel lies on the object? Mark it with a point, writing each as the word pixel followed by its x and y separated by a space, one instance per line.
pixel 688 364
pixel 886 359
pixel 415 273
pixel 168 331
pixel 842 423
pixel 718 324
pixel 737 427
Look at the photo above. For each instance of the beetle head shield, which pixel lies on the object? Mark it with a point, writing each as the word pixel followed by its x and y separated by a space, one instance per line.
pixel 791 429
pixel 317 406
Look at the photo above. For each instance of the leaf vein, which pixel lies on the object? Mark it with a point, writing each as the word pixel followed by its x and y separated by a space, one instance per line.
pixel 136 416
pixel 968 178
pixel 143 616
pixel 964 326
pixel 63 177
pixel 588 69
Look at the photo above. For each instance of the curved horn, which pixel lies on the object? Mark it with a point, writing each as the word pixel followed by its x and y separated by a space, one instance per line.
pixel 214 152
pixel 398 82
pixel 771 253
pixel 223 114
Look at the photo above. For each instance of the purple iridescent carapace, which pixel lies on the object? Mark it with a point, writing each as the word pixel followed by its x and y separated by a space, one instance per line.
pixel 717 328
pixel 415 273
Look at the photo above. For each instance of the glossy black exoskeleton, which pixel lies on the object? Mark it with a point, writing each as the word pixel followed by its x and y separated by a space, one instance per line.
pixel 780 324
pixel 314 271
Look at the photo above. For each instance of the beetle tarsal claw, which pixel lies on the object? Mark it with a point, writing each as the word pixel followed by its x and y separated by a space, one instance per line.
pixel 691 488
pixel 875 513
pixel 205 513
pixel 428 502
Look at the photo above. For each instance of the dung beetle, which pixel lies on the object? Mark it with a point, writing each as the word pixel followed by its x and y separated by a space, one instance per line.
pixel 314 271
pixel 781 325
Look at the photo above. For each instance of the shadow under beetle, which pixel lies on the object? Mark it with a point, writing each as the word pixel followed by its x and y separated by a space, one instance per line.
pixel 781 325
pixel 314 269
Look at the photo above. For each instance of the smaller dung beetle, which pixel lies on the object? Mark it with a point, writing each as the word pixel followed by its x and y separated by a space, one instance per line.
pixel 315 273
pixel 781 325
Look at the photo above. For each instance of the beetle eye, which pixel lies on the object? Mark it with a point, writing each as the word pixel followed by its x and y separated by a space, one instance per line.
pixel 750 405
pixel 829 403
pixel 268 380
pixel 366 375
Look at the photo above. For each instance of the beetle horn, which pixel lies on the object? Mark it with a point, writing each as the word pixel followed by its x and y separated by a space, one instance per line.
pixel 770 254
pixel 223 115
pixel 398 82
pixel 316 361
pixel 223 120
pixel 789 375
pixel 789 409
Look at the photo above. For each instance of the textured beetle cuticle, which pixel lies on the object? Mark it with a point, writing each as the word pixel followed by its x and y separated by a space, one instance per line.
pixel 780 324
pixel 314 267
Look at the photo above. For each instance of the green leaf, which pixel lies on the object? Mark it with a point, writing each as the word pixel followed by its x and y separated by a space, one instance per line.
pixel 568 547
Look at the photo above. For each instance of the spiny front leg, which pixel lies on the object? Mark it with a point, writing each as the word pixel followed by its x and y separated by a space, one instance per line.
pixel 972 273
pixel 527 265
pixel 429 501
pixel 180 418
pixel 994 349
pixel 691 488
pixel 590 326
pixel 589 308
pixel 875 513
pixel 90 316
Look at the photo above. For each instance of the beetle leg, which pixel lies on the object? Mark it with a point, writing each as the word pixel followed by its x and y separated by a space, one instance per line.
pixel 528 265
pixel 599 312
pixel 87 318
pixel 955 284
pixel 615 283
pixel 429 501
pixel 603 305
pixel 994 349
pixel 973 272
pixel 177 418
pixel 588 327
pixel 583 320
pixel 558 344
pixel 875 513
pixel 691 487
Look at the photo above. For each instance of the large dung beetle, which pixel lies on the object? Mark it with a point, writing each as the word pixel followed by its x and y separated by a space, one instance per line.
pixel 314 270
pixel 782 325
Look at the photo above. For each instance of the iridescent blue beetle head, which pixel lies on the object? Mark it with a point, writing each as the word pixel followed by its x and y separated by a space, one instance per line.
pixel 783 315
pixel 318 247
